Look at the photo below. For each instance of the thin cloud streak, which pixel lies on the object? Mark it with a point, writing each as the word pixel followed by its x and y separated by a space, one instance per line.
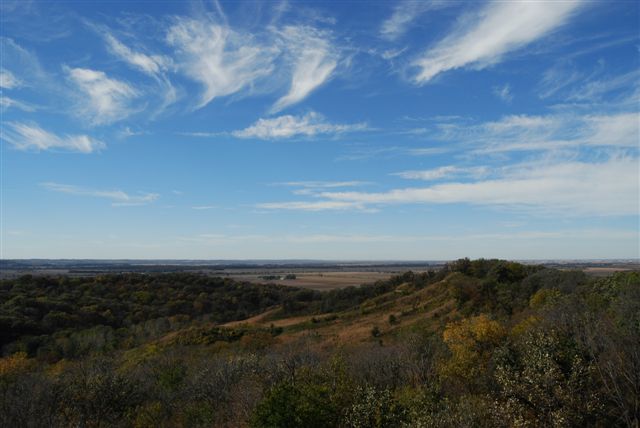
pixel 405 13
pixel 155 66
pixel 30 136
pixel 8 80
pixel 118 197
pixel 152 65
pixel 9 103
pixel 314 206
pixel 287 126
pixel 322 184
pixel 448 171
pixel 498 29
pixel 570 188
pixel 314 60
pixel 545 133
pixel 504 93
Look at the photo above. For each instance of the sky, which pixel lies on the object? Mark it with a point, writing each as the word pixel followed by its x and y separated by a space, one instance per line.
pixel 338 130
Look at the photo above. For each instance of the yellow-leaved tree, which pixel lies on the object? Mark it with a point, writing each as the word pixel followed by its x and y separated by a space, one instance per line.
pixel 471 342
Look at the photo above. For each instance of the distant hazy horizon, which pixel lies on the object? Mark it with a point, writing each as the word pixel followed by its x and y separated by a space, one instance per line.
pixel 302 262
pixel 353 131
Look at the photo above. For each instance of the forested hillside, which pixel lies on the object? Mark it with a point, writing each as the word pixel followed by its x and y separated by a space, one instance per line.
pixel 483 343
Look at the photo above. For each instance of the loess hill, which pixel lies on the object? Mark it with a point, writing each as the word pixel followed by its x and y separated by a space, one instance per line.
pixel 476 343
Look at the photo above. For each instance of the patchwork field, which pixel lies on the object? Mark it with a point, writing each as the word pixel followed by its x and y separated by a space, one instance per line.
pixel 323 280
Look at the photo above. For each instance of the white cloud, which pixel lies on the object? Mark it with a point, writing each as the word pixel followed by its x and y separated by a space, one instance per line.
pixel 288 126
pixel 7 103
pixel 203 207
pixel 621 130
pixel 152 65
pixel 428 151
pixel 222 60
pixel 443 172
pixel 314 60
pixel 392 53
pixel 30 70
pixel 516 132
pixel 430 174
pixel 556 79
pixel 499 28
pixel 228 60
pixel 117 197
pixel 107 100
pixel 404 14
pixel 8 80
pixel 322 184
pixel 127 132
pixel 315 187
pixel 593 90
pixel 572 188
pixel 519 123
pixel 595 87
pixel 202 134
pixel 155 66
pixel 503 92
pixel 30 136
pixel 314 206
pixel 550 132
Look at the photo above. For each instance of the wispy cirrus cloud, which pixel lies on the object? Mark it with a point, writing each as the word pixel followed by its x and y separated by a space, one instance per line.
pixel 428 151
pixel 570 188
pixel 315 206
pixel 29 136
pixel 503 92
pixel 322 184
pixel 545 132
pixel 315 187
pixel 592 87
pixel 104 100
pixel 314 59
pixel 7 103
pixel 287 126
pixel 117 197
pixel 496 30
pixel 155 66
pixel 202 134
pixel 624 87
pixel 366 152
pixel 222 60
pixel 152 65
pixel 30 70
pixel 8 80
pixel 405 14
pixel 556 79
pixel 561 131
pixel 448 171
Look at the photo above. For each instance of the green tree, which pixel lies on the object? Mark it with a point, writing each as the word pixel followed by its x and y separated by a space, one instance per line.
pixel 293 405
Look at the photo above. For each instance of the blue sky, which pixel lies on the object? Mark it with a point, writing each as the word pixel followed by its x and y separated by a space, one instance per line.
pixel 328 130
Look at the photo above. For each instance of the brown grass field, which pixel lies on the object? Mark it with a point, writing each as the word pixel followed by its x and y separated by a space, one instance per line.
pixel 322 280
